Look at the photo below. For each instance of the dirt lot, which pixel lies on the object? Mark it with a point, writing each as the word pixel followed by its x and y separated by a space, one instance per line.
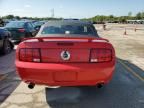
pixel 124 91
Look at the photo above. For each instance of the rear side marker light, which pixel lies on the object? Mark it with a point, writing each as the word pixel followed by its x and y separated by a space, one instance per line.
pixel 29 55
pixel 100 55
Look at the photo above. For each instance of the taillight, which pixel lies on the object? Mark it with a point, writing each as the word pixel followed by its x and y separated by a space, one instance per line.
pixel 100 55
pixel 21 30
pixel 36 55
pixel 29 55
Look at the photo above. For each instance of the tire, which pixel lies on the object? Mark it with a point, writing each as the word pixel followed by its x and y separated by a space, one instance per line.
pixel 12 45
pixel 6 47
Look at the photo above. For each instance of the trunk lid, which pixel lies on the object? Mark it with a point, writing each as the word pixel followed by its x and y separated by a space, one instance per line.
pixel 16 33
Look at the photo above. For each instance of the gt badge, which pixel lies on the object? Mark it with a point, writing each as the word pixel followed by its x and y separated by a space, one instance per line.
pixel 65 55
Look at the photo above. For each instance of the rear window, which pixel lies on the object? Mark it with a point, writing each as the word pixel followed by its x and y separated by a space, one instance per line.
pixel 15 24
pixel 69 29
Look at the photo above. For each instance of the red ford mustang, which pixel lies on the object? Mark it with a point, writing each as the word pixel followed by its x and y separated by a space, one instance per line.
pixel 65 53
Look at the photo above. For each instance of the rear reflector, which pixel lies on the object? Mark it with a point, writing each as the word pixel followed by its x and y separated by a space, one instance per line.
pixel 100 55
pixel 29 55
pixel 21 30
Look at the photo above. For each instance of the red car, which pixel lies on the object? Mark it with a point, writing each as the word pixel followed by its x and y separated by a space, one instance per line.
pixel 66 53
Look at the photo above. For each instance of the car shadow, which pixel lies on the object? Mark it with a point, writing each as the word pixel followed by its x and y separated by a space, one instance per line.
pixel 115 94
pixel 1 55
pixel 9 79
pixel 7 63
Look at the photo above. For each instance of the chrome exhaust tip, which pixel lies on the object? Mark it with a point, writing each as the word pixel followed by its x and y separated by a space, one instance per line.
pixel 100 85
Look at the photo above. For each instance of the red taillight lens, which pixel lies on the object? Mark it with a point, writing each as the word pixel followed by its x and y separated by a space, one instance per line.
pixel 21 30
pixel 22 54
pixel 36 55
pixel 101 55
pixel 29 55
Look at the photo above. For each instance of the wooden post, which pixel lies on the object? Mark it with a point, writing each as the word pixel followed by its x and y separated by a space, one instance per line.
pixel 125 32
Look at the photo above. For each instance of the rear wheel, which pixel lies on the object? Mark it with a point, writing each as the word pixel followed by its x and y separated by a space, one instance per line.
pixel 6 47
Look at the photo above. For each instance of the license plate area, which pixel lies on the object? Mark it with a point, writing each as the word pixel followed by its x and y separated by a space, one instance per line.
pixel 65 76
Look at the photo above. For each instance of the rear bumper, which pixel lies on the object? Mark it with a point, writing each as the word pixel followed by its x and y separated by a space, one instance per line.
pixel 68 74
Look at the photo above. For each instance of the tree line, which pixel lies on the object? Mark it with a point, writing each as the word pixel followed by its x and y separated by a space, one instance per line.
pixel 97 18
pixel 31 18
pixel 115 19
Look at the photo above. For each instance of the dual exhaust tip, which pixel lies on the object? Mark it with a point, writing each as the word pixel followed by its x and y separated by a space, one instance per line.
pixel 32 85
pixel 100 85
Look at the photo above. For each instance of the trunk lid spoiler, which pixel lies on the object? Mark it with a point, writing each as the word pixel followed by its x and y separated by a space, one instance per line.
pixel 64 39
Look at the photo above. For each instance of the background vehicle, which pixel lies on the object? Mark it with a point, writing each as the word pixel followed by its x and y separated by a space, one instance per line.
pixel 38 24
pixel 66 53
pixel 1 23
pixel 21 29
pixel 5 42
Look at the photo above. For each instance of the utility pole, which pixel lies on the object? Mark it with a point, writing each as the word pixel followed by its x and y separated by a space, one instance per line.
pixel 52 13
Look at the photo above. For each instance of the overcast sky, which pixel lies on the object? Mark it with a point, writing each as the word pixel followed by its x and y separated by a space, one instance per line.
pixel 70 8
